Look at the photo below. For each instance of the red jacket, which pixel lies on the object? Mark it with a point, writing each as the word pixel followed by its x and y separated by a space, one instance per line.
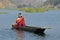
pixel 20 21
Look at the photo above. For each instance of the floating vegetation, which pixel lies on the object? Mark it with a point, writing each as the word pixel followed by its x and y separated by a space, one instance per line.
pixel 3 12
pixel 33 9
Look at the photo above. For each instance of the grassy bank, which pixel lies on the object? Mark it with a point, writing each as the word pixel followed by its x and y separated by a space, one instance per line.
pixel 11 8
pixel 33 9
pixel 3 13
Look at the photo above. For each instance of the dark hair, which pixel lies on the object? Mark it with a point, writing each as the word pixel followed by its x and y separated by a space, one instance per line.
pixel 19 13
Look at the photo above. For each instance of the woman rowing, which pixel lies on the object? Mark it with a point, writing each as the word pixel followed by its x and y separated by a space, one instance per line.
pixel 20 21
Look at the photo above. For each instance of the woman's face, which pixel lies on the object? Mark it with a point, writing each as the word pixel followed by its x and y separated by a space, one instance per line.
pixel 19 16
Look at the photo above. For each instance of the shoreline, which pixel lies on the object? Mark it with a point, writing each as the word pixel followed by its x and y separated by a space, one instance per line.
pixel 37 9
pixel 30 10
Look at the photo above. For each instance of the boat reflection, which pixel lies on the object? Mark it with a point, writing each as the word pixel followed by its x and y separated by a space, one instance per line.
pixel 41 34
pixel 20 35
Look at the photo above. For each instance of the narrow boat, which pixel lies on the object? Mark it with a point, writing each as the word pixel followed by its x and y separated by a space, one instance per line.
pixel 32 29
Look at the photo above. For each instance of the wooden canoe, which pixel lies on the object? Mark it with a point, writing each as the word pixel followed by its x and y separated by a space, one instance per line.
pixel 31 29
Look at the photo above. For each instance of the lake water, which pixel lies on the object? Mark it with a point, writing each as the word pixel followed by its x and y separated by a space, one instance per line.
pixel 45 19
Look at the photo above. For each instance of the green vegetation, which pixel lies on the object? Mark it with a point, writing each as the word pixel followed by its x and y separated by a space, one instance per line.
pixel 3 13
pixel 33 9
pixel 12 8
pixel 53 8
pixel 37 9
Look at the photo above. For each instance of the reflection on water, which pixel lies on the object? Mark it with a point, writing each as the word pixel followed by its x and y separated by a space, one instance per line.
pixel 41 34
pixel 20 35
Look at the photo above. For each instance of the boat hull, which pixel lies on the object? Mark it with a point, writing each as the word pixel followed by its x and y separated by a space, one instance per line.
pixel 30 29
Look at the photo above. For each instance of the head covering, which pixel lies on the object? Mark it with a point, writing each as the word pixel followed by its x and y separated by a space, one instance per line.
pixel 19 13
